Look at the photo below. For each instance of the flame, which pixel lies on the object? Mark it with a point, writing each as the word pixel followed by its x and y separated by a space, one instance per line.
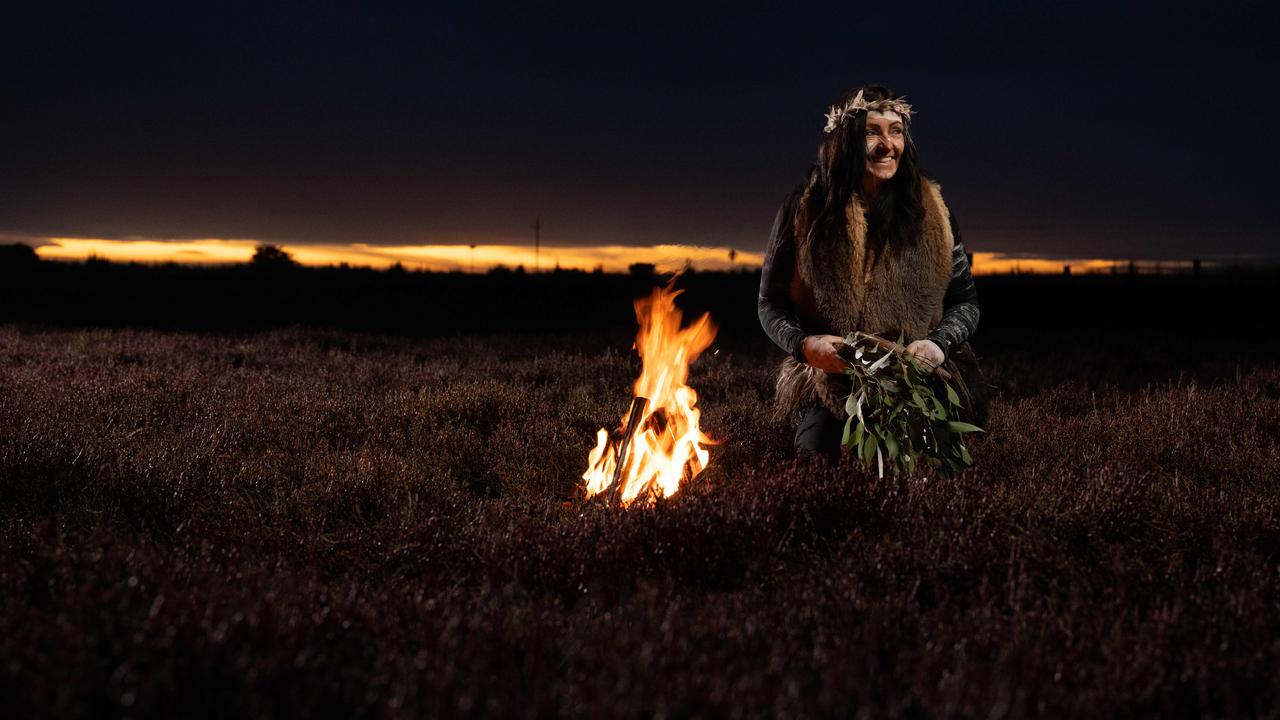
pixel 666 446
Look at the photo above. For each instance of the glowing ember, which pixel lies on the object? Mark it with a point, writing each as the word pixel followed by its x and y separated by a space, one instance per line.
pixel 665 445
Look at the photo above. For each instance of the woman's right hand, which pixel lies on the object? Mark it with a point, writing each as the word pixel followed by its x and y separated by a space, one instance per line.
pixel 822 352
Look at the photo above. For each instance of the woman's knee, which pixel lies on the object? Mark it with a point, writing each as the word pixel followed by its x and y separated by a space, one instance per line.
pixel 818 432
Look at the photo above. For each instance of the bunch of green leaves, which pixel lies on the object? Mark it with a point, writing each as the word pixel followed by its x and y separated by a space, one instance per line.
pixel 900 413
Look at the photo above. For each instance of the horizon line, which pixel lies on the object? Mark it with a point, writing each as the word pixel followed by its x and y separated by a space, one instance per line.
pixel 477 258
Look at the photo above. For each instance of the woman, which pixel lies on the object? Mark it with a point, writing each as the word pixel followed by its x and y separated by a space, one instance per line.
pixel 864 243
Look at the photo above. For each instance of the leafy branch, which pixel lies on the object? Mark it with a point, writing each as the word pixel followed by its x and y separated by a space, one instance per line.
pixel 900 413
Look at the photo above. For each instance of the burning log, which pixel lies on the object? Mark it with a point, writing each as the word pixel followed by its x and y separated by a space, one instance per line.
pixel 660 444
pixel 638 406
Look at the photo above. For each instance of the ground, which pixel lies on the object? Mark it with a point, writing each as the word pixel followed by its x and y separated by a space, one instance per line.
pixel 309 523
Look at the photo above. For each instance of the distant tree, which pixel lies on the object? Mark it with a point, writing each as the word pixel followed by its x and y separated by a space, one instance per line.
pixel 642 269
pixel 18 255
pixel 272 256
pixel 397 268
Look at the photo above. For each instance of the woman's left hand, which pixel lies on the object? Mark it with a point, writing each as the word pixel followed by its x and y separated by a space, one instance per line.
pixel 928 352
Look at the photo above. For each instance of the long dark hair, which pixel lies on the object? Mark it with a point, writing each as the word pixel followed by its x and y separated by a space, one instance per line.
pixel 894 218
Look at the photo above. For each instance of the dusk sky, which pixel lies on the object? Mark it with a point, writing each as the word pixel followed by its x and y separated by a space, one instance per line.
pixel 1055 129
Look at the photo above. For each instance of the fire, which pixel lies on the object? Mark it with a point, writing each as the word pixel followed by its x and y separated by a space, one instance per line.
pixel 659 441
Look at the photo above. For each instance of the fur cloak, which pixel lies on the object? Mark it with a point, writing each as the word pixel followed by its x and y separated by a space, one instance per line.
pixel 838 288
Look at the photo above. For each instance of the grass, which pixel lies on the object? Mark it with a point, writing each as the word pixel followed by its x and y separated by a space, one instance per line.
pixel 321 523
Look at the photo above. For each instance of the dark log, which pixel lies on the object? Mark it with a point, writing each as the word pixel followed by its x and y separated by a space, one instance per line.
pixel 638 406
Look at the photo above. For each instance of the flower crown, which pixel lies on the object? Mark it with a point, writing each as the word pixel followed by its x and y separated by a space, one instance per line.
pixel 836 115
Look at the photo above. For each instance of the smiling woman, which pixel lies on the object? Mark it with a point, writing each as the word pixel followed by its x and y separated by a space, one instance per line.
pixel 867 244
pixel 886 138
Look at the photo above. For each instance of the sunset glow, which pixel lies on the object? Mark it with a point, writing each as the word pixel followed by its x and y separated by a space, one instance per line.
pixel 482 258
pixel 611 258
pixel 1003 264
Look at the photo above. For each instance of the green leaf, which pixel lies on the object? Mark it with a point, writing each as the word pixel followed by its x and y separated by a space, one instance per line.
pixel 844 439
pixel 963 427
pixel 952 397
pixel 869 449
pixel 892 445
pixel 859 434
pixel 964 455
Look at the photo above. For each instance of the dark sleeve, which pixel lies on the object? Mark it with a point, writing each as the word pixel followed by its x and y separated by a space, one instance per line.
pixel 774 303
pixel 960 304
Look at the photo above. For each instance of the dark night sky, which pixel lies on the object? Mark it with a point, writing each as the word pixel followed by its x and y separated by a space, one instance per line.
pixel 1071 129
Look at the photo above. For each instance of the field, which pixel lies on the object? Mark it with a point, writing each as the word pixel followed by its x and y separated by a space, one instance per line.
pixel 305 522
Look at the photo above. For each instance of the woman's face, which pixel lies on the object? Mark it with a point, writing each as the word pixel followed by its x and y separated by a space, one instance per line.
pixel 886 137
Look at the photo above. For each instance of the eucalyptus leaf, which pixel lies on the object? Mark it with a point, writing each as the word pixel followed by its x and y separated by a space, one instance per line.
pixel 901 413
pixel 952 397
pixel 937 406
pixel 963 427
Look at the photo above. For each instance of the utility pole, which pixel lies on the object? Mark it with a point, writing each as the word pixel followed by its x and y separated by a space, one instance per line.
pixel 537 242
pixel 473 258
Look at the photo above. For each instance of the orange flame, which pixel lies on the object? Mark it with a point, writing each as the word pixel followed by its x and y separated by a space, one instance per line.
pixel 666 445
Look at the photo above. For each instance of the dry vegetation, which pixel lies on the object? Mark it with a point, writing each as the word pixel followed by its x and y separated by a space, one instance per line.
pixel 307 523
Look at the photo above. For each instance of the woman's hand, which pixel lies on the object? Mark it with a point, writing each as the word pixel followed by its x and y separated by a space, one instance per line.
pixel 822 352
pixel 928 352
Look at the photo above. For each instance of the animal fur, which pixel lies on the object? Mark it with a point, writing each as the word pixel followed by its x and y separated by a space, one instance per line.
pixel 841 287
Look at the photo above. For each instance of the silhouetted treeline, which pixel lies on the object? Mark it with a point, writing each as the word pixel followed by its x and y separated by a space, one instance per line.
pixel 245 297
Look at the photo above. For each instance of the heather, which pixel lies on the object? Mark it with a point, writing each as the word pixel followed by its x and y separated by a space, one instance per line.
pixel 302 522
